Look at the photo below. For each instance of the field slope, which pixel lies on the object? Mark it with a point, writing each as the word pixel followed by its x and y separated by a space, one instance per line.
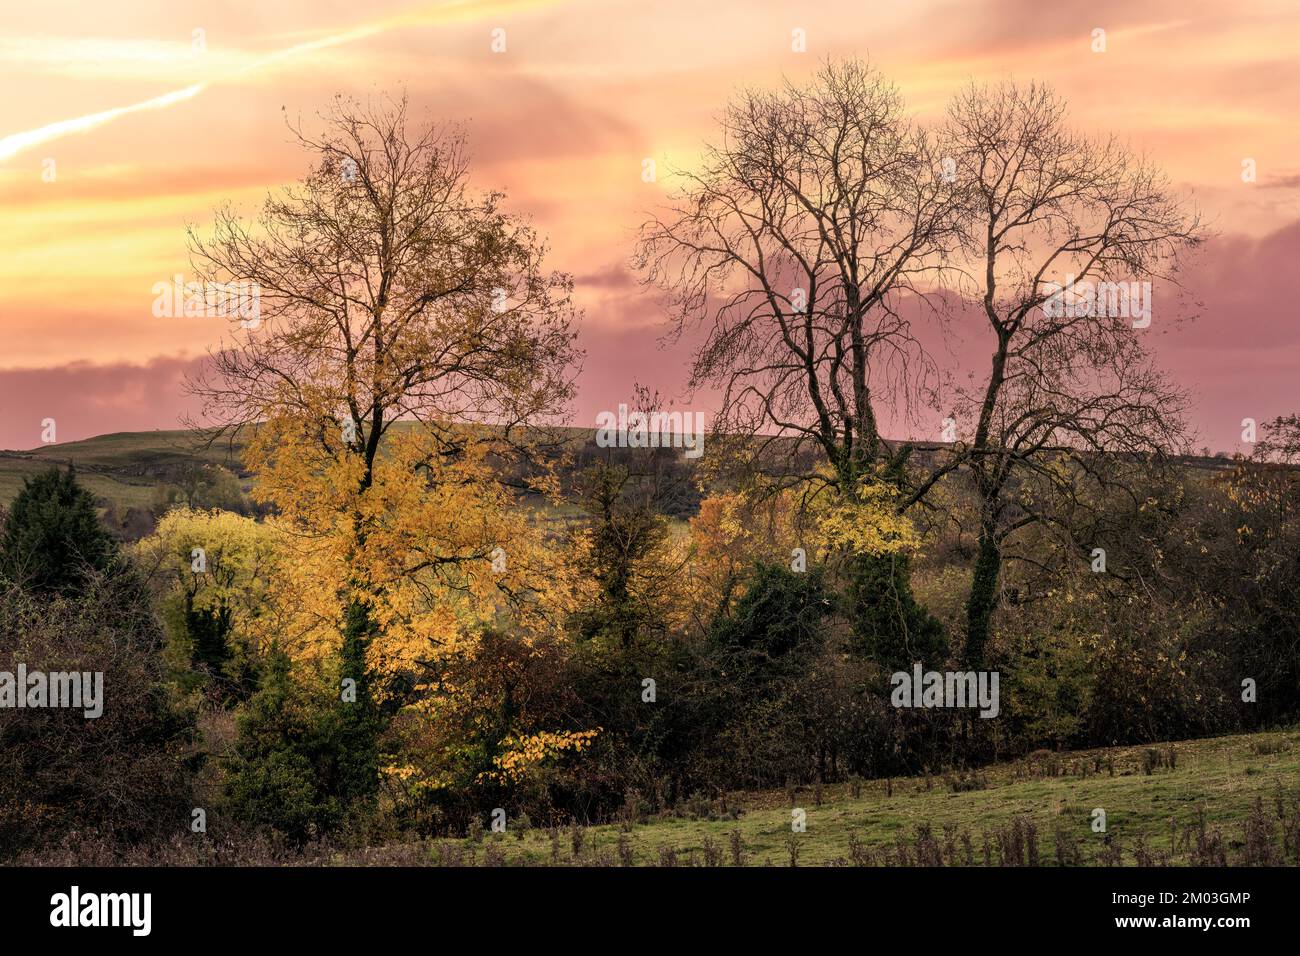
pixel 123 468
pixel 1228 799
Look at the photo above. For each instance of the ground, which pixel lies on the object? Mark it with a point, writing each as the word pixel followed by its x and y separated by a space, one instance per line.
pixel 1237 783
pixel 124 468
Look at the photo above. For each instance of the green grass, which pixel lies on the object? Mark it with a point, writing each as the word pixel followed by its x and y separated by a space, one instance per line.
pixel 137 450
pixel 124 468
pixel 1219 777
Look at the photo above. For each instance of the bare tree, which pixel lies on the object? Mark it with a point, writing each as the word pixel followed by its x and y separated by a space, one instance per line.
pixel 1281 441
pixel 797 243
pixel 389 291
pixel 1064 235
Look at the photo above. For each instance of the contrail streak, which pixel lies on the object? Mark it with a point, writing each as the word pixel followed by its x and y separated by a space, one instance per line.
pixel 15 143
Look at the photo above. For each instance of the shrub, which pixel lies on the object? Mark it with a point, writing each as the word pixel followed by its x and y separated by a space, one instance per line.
pixel 123 775
pixel 53 541
pixel 283 772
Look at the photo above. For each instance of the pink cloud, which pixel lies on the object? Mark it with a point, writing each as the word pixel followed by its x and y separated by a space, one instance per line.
pixel 87 399
pixel 1238 356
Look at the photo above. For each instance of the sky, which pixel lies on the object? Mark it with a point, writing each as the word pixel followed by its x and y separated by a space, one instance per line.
pixel 123 123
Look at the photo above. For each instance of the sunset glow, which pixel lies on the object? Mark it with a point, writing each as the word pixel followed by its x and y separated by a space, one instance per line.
pixel 121 126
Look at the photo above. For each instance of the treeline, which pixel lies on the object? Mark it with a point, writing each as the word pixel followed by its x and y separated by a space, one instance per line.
pixel 701 662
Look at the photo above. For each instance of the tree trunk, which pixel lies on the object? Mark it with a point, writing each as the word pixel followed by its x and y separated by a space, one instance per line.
pixel 358 751
pixel 983 595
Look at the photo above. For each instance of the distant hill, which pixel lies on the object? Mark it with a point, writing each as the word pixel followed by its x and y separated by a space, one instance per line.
pixel 127 470
pixel 123 468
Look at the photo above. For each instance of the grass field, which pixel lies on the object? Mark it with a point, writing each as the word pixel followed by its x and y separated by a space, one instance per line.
pixel 1235 796
pixel 124 468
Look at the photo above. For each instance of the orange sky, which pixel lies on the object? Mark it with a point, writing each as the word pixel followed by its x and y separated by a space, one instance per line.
pixel 562 120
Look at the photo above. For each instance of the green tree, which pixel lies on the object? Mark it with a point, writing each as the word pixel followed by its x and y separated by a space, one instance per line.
pixel 626 540
pixel 889 626
pixel 284 771
pixel 201 487
pixel 782 611
pixel 53 540
pixel 209 628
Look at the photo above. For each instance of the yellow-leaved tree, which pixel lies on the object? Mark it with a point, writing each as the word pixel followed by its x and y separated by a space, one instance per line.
pixel 214 570
pixel 735 531
pixel 405 343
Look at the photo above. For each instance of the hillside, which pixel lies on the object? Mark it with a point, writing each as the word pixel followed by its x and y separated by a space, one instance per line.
pixel 1228 799
pixel 122 468
pixel 125 469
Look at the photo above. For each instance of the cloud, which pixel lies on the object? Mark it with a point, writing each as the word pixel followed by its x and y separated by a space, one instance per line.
pixel 1243 284
pixel 87 399
pixel 615 277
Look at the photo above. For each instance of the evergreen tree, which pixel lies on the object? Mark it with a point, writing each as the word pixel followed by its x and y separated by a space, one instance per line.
pixel 52 539
pixel 782 611
pixel 208 628
pixel 889 626
pixel 284 771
